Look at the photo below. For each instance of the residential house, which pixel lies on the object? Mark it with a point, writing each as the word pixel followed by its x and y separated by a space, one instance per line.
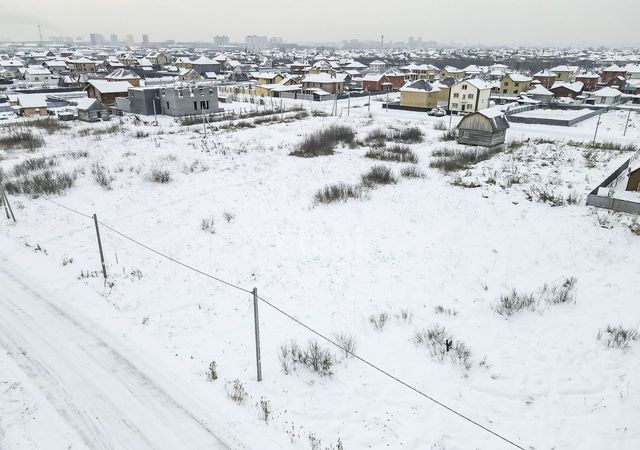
pixel 31 105
pixel 56 66
pixel 128 60
pixel 107 91
pixel 546 78
pixel 82 65
pixel 38 74
pixel 419 94
pixel 540 93
pixel 377 66
pixel 589 80
pixel 158 58
pixel 633 71
pixel 617 83
pixel 469 95
pixel 565 73
pixel 375 82
pixel 612 72
pixel 189 100
pixel 425 71
pixel 607 96
pixel 203 65
pixel 486 128
pixel 451 72
pixel 267 77
pixel 183 62
pixel 188 75
pixel 564 89
pixel 514 84
pixel 331 84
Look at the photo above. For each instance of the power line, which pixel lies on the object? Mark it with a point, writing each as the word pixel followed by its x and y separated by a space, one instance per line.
pixel 220 280
pixel 304 325
pixel 384 372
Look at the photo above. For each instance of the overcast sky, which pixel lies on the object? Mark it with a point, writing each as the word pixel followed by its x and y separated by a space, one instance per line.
pixel 491 22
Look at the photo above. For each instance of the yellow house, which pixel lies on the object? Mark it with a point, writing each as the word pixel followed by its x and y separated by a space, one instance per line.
pixel 419 94
pixel 267 78
pixel 469 95
pixel 81 65
pixel 33 105
pixel 449 71
pixel 565 73
pixel 183 63
pixel 514 84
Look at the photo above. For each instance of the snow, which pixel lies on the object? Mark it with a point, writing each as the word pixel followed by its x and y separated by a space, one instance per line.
pixel 548 381
pixel 110 87
pixel 563 114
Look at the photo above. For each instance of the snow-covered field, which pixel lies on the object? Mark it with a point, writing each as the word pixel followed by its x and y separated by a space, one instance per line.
pixel 422 252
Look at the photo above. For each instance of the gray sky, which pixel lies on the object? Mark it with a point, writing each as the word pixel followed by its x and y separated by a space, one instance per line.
pixel 491 22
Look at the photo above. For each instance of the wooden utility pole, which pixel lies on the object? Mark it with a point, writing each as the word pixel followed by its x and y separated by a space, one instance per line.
pixel 627 123
pixel 369 104
pixel 349 105
pixel 7 205
pixel 597 126
pixel 104 268
pixel 257 330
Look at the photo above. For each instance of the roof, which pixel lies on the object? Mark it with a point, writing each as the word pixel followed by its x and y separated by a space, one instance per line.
pixel 477 83
pixel 32 100
pixel 123 74
pixel 324 78
pixel 540 90
pixel 518 77
pixel 575 87
pixel 494 115
pixel 110 87
pixel 204 60
pixel 85 103
pixel 545 73
pixel 420 86
pixel 607 92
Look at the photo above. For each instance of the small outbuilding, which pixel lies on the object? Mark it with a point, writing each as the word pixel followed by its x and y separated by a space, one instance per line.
pixel 91 110
pixel 486 128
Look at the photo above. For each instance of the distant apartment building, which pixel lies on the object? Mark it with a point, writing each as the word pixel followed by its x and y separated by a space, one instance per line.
pixel 114 38
pixel 220 40
pixel 145 38
pixel 96 39
pixel 130 40
pixel 256 43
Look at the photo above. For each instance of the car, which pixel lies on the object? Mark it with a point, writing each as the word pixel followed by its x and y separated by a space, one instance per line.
pixel 437 112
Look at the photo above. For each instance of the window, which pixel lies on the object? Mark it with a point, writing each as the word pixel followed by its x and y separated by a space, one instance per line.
pixel 167 105
pixel 204 104
pixel 464 87
pixel 506 83
pixel 455 105
pixel 470 96
pixel 456 95
pixel 516 84
pixel 195 106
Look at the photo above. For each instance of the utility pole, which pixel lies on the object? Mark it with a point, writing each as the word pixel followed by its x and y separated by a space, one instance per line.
pixel 369 105
pixel 104 268
pixel 627 123
pixel 597 126
pixel 155 116
pixel 349 105
pixel 257 331
pixel 7 204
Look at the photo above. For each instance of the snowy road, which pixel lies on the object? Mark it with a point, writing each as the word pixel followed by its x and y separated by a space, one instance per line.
pixel 106 397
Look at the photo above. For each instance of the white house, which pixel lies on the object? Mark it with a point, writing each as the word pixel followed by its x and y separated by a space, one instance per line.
pixel 377 66
pixel 469 95
pixel 37 74
pixel 607 96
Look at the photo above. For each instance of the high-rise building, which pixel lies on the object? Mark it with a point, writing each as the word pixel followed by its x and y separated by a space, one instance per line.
pixel 130 40
pixel 145 38
pixel 255 43
pixel 96 39
pixel 114 38
pixel 220 41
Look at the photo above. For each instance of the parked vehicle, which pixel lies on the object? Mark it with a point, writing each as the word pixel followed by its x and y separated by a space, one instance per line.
pixel 437 112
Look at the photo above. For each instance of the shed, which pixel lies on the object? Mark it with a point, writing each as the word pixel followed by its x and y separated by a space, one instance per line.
pixel 487 128
pixel 91 110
